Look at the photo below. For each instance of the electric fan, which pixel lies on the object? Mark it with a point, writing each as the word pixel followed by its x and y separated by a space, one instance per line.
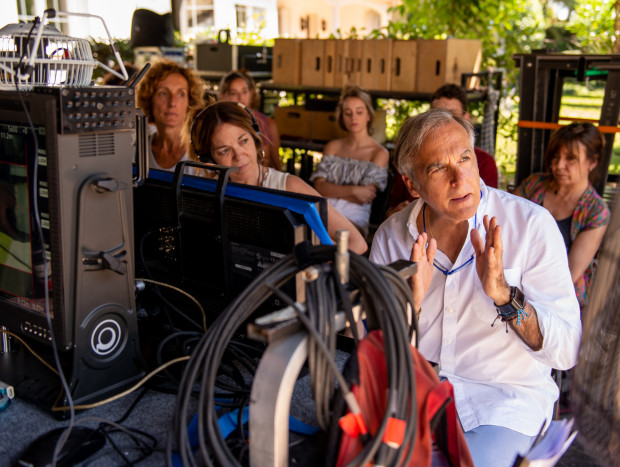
pixel 37 54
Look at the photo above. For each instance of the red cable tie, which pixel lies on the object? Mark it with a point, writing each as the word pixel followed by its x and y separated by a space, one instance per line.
pixel 394 432
pixel 349 426
pixel 353 425
pixel 360 424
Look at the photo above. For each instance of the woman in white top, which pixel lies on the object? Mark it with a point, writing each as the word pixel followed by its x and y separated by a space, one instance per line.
pixel 354 168
pixel 168 95
pixel 225 133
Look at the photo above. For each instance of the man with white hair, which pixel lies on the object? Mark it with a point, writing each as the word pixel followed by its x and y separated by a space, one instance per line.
pixel 493 292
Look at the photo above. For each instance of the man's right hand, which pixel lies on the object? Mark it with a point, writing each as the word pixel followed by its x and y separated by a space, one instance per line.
pixel 424 256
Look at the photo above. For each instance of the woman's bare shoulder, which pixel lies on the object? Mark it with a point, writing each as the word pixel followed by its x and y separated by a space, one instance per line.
pixel 380 156
pixel 334 147
pixel 297 185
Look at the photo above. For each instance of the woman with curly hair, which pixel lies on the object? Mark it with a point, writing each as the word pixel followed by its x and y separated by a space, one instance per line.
pixel 169 94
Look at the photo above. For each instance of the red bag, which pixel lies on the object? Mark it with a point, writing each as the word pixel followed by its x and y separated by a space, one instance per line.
pixel 437 418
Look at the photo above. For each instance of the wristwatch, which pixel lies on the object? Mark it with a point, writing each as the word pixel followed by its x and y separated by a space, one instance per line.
pixel 510 310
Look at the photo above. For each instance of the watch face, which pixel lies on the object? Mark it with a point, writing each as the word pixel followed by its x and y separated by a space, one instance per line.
pixel 518 299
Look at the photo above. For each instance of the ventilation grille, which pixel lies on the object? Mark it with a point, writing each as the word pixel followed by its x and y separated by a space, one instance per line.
pixel 91 145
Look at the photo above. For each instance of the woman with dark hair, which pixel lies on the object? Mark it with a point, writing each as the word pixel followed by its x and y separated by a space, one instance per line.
pixel 238 86
pixel 168 95
pixel 354 168
pixel 565 189
pixel 225 133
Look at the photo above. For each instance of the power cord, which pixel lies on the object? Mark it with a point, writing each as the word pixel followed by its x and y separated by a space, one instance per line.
pixel 181 291
pixel 138 385
pixel 385 300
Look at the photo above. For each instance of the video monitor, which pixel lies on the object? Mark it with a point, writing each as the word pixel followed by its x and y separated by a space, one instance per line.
pixel 211 240
pixel 53 223
pixel 22 286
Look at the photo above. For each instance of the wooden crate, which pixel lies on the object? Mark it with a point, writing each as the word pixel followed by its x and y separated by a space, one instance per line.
pixel 354 72
pixel 325 126
pixel 294 121
pixel 312 62
pixel 403 65
pixel 348 62
pixel 331 46
pixel 444 61
pixel 286 65
pixel 342 63
pixel 375 63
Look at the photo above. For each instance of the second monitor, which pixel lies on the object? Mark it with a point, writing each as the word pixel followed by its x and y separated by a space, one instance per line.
pixel 211 240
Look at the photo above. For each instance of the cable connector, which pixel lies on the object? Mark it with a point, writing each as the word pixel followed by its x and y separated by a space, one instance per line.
pixel 6 394
pixel 342 255
pixel 7 390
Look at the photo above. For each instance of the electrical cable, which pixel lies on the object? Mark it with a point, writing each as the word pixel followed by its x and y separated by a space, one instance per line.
pixel 386 299
pixel 212 349
pixel 159 294
pixel 165 341
pixel 402 292
pixel 127 391
pixel 30 349
pixel 132 433
pixel 132 406
pixel 181 291
pixel 39 232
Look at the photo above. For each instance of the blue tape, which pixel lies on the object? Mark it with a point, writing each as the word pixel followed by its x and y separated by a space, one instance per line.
pixel 5 401
pixel 228 424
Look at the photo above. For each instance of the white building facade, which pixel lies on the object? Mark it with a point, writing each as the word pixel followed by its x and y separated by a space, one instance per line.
pixel 200 19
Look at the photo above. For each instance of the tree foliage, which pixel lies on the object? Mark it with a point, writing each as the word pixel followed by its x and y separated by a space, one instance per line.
pixel 592 24
pixel 506 28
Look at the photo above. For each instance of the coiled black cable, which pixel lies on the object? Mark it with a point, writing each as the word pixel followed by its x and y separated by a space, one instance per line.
pixel 384 295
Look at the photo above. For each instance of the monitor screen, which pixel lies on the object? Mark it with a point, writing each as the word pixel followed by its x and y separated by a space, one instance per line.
pixel 17 280
pixel 22 249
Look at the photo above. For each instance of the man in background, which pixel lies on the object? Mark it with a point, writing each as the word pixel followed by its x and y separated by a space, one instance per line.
pixel 453 98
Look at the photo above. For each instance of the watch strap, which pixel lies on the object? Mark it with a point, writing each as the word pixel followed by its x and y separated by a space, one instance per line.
pixel 511 310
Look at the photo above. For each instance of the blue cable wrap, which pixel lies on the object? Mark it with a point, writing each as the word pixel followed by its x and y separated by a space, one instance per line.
pixel 228 424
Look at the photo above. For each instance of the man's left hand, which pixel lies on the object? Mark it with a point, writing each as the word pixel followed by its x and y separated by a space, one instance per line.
pixel 489 264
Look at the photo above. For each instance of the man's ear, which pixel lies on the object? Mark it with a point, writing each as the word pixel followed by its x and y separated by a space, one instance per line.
pixel 410 187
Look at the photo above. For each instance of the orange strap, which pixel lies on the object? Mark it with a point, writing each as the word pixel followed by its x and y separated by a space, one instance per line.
pixel 394 432
pixel 555 126
pixel 579 119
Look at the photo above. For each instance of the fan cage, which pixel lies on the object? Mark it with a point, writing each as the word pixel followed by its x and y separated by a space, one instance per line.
pixel 58 61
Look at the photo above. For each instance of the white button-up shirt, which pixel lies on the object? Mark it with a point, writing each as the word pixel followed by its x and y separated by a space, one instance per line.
pixel 497 378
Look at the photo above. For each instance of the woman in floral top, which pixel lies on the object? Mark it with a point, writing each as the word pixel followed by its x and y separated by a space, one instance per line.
pixel 567 192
